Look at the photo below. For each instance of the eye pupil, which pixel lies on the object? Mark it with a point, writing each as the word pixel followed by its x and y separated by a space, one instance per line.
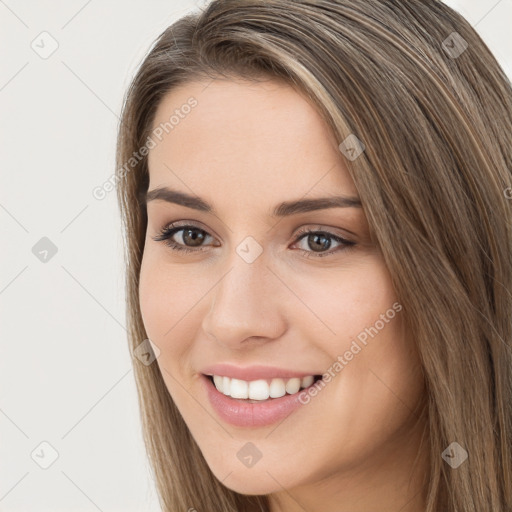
pixel 319 242
pixel 194 236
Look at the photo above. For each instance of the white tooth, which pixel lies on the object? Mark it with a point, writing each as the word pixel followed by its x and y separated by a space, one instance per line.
pixel 226 385
pixel 277 388
pixel 239 388
pixel 218 382
pixel 307 381
pixel 258 390
pixel 293 385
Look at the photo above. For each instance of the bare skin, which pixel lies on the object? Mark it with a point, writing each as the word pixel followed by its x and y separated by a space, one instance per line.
pixel 246 148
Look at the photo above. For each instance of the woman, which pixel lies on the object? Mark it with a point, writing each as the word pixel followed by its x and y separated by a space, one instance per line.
pixel 314 196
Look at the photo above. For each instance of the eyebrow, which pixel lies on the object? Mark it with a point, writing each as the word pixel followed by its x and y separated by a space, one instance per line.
pixel 284 209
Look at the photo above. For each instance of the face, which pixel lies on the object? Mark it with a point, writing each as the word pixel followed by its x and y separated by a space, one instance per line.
pixel 242 289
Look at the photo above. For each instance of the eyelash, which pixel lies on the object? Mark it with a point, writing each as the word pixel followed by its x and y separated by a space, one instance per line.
pixel 171 229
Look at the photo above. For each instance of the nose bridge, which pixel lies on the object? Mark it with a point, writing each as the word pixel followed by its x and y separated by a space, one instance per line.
pixel 244 302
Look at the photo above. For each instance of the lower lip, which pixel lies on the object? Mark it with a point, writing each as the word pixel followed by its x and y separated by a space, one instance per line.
pixel 244 414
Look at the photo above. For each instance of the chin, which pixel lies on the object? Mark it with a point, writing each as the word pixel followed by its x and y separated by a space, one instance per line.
pixel 251 484
pixel 260 479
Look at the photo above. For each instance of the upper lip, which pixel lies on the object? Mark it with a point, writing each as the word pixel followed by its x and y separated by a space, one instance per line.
pixel 254 372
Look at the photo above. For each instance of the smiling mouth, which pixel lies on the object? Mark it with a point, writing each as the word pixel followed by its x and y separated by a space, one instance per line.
pixel 261 390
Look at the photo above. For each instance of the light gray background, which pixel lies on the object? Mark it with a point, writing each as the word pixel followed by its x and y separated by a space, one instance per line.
pixel 65 370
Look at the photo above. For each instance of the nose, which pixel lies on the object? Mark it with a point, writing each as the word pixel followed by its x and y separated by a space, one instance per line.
pixel 246 306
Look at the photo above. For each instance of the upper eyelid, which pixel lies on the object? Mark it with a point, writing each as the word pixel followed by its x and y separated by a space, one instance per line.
pixel 178 225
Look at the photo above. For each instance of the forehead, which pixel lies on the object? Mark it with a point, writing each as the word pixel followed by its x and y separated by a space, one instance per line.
pixel 263 140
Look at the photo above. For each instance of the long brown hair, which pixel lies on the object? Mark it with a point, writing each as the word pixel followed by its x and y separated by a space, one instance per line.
pixel 417 85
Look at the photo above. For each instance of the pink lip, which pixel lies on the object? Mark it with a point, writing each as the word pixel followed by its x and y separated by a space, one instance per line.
pixel 253 372
pixel 243 414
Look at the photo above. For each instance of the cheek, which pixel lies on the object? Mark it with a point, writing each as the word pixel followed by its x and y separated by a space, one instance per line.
pixel 164 302
pixel 160 309
pixel 172 305
pixel 345 301
pixel 355 315
pixel 153 298
pixel 166 295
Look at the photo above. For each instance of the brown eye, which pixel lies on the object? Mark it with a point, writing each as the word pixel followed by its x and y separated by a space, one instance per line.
pixel 318 243
pixel 184 238
pixel 193 237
